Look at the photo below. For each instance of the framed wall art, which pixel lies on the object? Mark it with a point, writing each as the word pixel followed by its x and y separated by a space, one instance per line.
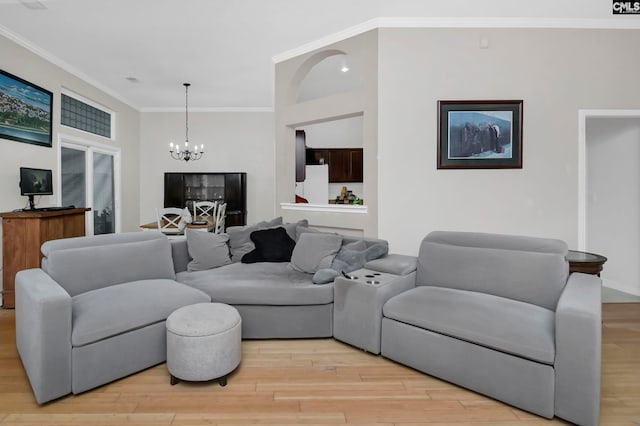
pixel 480 134
pixel 25 111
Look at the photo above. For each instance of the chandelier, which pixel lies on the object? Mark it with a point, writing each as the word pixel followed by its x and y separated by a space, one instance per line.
pixel 186 153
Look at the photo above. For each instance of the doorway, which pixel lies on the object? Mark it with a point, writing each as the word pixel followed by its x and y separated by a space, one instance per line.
pixel 609 201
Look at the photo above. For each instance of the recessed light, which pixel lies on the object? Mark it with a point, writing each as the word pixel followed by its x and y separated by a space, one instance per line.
pixel 133 80
pixel 344 68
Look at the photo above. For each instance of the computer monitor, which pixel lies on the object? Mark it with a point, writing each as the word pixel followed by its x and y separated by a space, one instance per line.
pixel 35 182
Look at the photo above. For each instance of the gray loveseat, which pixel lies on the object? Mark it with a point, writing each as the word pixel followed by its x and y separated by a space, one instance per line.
pixel 501 315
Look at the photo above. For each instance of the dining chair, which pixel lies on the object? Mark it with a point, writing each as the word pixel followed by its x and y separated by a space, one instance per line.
pixel 221 213
pixel 204 208
pixel 168 219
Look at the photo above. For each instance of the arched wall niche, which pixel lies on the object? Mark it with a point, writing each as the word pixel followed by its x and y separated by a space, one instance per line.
pixel 323 74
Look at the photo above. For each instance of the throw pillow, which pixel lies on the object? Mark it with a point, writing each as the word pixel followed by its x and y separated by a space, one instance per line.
pixel 315 251
pixel 348 260
pixel 302 229
pixel 271 245
pixel 358 245
pixel 291 228
pixel 206 250
pixel 240 237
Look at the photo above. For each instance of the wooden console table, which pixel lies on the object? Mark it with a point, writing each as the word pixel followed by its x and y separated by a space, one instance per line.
pixel 23 233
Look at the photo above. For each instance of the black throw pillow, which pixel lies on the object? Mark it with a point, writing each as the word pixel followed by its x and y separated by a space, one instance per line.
pixel 272 245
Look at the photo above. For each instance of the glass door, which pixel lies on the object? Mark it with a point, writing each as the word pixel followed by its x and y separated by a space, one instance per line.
pixel 88 178
pixel 73 177
pixel 104 202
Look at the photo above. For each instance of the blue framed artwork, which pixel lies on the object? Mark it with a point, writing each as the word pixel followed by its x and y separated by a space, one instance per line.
pixel 480 134
pixel 25 111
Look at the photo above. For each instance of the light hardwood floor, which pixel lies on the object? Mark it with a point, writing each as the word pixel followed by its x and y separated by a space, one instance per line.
pixel 311 382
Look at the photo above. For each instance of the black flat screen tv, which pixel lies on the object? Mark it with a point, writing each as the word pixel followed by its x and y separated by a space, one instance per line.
pixel 35 182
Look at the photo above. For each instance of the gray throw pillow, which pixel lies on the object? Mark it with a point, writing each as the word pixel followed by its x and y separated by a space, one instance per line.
pixel 359 245
pixel 291 228
pixel 206 250
pixel 240 237
pixel 348 259
pixel 303 229
pixel 315 251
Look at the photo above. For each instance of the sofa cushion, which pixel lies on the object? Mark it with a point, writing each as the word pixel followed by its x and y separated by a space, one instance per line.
pixel 207 250
pixel 528 269
pixel 109 311
pixel 271 245
pixel 88 268
pixel 506 325
pixel 259 284
pixel 240 237
pixel 315 251
pixel 98 240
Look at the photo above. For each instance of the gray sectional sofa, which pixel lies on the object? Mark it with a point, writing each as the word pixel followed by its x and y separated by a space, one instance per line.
pixel 496 314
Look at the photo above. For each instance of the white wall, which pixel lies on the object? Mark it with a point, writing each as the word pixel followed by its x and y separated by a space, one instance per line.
pixel 556 72
pixel 345 133
pixel 613 199
pixel 234 142
pixel 28 66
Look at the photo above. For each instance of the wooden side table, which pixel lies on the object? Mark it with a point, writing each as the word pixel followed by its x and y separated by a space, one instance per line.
pixel 587 263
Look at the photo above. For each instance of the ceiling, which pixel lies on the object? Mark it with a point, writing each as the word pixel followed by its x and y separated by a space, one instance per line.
pixel 224 48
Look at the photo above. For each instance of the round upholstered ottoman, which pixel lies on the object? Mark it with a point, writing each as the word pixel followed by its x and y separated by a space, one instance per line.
pixel 203 342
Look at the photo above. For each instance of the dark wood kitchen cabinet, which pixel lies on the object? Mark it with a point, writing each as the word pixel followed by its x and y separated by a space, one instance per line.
pixel 182 189
pixel 345 164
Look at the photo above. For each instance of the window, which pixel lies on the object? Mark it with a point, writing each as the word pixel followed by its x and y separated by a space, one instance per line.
pixel 86 115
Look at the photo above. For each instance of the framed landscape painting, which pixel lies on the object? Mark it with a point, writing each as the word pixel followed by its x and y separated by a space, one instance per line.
pixel 25 111
pixel 480 134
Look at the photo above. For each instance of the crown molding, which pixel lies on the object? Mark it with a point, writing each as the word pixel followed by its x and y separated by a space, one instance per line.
pixel 369 25
pixel 621 23
pixel 4 31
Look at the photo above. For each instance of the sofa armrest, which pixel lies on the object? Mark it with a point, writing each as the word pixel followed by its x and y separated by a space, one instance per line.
pixel 397 264
pixel 43 333
pixel 578 350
